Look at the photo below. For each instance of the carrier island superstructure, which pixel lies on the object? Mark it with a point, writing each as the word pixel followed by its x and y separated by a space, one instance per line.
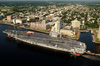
pixel 45 40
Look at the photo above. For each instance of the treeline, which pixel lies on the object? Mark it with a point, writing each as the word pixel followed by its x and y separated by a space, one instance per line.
pixel 21 3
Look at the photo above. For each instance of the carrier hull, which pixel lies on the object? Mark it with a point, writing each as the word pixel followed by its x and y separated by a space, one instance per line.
pixel 44 40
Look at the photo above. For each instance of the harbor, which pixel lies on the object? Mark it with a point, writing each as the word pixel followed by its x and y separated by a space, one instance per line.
pixel 14 50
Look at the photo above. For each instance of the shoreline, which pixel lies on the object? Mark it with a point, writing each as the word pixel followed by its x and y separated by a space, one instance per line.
pixel 40 31
pixel 43 31
pixel 6 24
pixel 25 28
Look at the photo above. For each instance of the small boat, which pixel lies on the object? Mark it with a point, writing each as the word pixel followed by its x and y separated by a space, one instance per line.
pixel 77 54
pixel 88 52
pixel 87 31
pixel 9 36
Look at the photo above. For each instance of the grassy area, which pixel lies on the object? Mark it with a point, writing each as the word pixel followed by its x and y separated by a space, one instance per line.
pixel 10 11
pixel 6 8
pixel 93 28
pixel 45 31
pixel 3 23
pixel 96 37
pixel 7 23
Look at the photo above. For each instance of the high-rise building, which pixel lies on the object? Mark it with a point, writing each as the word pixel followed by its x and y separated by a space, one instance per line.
pixel 56 27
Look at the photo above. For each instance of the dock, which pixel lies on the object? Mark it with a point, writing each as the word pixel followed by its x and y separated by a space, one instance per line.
pixel 78 35
pixel 92 34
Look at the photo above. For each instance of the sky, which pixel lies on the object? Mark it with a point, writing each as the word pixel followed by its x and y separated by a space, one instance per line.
pixel 51 0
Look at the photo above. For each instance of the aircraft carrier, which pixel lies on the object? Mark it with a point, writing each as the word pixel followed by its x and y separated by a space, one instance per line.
pixel 63 44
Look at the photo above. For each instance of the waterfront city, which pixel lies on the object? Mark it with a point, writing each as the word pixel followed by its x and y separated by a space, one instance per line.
pixel 55 33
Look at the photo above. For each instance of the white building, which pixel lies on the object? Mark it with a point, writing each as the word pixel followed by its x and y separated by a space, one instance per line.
pixel 75 24
pixel 3 14
pixel 16 21
pixel 56 27
pixel 82 22
pixel 28 19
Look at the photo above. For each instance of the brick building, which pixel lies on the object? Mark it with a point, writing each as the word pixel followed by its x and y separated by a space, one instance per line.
pixel 9 18
pixel 39 26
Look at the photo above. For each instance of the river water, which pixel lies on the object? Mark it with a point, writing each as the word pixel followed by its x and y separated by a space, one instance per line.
pixel 17 53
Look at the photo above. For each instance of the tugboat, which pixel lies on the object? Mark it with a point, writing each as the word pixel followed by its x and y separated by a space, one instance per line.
pixel 76 54
pixel 88 52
